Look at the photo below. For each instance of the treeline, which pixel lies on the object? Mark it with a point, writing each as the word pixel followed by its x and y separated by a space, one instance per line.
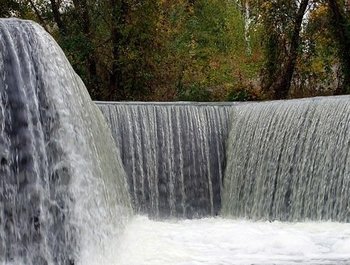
pixel 205 50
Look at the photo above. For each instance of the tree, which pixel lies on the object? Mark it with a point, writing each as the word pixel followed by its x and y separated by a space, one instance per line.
pixel 283 22
pixel 8 8
pixel 198 49
pixel 341 28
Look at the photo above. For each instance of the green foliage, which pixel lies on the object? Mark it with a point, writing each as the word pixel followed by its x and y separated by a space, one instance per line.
pixel 194 93
pixel 203 50
pixel 209 44
pixel 317 64
pixel 240 95
pixel 339 12
pixel 8 8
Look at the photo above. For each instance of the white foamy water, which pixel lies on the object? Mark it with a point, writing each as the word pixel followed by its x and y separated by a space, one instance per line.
pixel 218 241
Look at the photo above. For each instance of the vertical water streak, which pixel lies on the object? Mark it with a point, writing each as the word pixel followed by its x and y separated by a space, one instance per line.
pixel 176 150
pixel 62 185
pixel 289 160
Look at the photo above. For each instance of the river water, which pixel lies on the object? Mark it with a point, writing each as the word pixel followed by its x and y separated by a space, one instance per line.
pixel 218 241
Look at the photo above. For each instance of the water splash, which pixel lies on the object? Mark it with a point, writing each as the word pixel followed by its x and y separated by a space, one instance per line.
pixel 62 186
pixel 213 241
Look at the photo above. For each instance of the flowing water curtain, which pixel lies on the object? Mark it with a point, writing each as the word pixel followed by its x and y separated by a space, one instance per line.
pixel 289 160
pixel 63 187
pixel 173 154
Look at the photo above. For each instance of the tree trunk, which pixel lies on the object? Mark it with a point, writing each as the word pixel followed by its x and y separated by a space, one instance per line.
pixel 91 59
pixel 119 12
pixel 341 29
pixel 38 15
pixel 57 17
pixel 281 86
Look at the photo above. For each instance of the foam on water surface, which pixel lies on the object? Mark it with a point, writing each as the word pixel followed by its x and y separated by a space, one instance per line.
pixel 218 241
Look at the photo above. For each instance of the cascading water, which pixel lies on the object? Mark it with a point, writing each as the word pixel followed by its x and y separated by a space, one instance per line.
pixel 64 197
pixel 62 186
pixel 173 153
pixel 285 161
pixel 289 160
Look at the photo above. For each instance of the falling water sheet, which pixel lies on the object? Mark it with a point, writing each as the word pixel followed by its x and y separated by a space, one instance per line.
pixel 63 190
pixel 173 154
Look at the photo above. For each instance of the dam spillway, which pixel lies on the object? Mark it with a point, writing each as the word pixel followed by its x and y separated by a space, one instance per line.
pixel 66 187
pixel 289 161
pixel 283 160
pixel 174 155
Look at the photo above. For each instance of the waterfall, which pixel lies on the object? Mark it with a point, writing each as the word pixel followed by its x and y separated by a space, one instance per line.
pixel 285 160
pixel 173 154
pixel 67 192
pixel 63 190
pixel 289 160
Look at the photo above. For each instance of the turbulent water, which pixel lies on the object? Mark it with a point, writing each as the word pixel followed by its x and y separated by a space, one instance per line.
pixel 173 154
pixel 289 160
pixel 233 242
pixel 62 187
